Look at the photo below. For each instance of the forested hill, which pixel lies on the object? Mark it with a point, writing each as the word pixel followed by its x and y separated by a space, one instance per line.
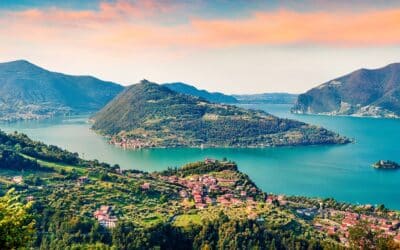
pixel 147 114
pixel 364 92
pixel 30 92
pixel 187 89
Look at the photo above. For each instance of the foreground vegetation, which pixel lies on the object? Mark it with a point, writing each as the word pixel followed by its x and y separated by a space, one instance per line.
pixel 52 199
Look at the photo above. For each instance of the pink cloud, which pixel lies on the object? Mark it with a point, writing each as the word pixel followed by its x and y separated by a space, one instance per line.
pixel 320 28
pixel 126 26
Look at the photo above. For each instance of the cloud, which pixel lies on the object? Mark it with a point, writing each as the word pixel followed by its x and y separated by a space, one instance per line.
pixel 315 28
pixel 126 26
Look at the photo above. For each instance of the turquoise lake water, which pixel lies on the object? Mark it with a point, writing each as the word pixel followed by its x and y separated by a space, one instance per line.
pixel 341 172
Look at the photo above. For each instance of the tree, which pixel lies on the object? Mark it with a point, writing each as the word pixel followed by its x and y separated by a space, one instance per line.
pixel 16 225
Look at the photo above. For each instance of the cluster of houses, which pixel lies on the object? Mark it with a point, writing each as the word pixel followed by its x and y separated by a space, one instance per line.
pixel 308 212
pixel 104 217
pixel 350 219
pixel 130 143
pixel 207 190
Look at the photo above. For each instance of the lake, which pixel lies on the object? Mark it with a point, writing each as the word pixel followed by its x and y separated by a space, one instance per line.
pixel 341 172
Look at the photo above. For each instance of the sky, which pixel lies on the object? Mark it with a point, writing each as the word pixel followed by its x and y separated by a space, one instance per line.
pixel 235 47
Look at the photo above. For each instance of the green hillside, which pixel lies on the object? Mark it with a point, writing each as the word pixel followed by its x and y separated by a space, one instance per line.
pixel 30 92
pixel 150 115
pixel 365 92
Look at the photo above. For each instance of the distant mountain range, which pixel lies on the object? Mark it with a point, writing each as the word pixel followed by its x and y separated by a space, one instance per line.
pixel 187 89
pixel 30 92
pixel 267 98
pixel 216 97
pixel 151 115
pixel 363 92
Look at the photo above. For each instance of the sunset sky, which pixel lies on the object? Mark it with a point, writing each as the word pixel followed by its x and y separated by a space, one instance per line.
pixel 222 45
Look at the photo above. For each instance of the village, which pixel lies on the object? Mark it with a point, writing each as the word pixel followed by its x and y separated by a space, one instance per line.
pixel 209 190
pixel 226 189
pixel 335 222
pixel 126 143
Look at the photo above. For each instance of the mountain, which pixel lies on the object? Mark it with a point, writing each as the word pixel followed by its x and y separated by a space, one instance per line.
pixel 216 97
pixel 150 115
pixel 30 92
pixel 363 92
pixel 267 98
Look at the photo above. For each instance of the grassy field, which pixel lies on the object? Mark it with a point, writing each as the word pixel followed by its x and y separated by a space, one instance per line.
pixel 57 166
pixel 185 220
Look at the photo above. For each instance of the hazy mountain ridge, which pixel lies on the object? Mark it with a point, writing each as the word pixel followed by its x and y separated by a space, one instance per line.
pixel 217 97
pixel 150 115
pixel 267 98
pixel 363 92
pixel 30 92
pixel 187 89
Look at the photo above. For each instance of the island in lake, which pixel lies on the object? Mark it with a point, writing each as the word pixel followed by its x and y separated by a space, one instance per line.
pixel 151 115
pixel 386 165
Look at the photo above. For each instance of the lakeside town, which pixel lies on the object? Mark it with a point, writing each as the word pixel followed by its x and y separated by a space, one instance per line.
pixel 206 190
pixel 227 189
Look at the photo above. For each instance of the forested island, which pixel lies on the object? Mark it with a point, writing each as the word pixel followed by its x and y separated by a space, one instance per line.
pixel 150 115
pixel 386 165
pixel 53 199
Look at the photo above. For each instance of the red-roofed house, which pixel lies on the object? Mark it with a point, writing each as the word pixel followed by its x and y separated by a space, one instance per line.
pixel 145 186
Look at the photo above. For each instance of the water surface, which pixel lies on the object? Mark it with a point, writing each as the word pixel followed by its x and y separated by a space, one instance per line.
pixel 342 172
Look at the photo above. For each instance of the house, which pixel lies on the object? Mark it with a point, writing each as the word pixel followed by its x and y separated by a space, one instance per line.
pixel 270 199
pixel 197 198
pixel 108 221
pixel 18 179
pixel 309 212
pixel 349 222
pixel 236 201
pixel 183 194
pixel 386 227
pixel 173 179
pixel 224 202
pixel 332 230
pixel 145 186
pixel 228 196
pixel 209 161
pixel 30 198
pixel 104 218
pixel 209 200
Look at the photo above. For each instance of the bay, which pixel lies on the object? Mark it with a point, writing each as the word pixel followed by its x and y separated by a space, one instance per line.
pixel 341 172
